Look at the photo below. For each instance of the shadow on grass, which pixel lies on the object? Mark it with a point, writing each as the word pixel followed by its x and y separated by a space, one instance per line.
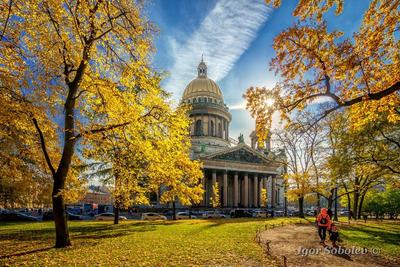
pixel 388 237
pixel 25 253
pixel 79 232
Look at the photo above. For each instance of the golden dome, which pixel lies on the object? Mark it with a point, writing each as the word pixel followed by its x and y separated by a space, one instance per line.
pixel 202 86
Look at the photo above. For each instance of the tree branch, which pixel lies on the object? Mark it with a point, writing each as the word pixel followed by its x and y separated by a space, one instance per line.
pixel 7 19
pixel 389 139
pixel 43 145
pixel 374 96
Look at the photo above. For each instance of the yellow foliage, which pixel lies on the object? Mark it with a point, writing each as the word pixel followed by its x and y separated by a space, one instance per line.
pixel 214 199
pixel 362 72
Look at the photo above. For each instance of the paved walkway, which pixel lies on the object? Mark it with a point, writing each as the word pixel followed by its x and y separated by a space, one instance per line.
pixel 289 240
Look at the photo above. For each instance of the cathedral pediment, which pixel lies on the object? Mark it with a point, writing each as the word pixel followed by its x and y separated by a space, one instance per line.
pixel 240 154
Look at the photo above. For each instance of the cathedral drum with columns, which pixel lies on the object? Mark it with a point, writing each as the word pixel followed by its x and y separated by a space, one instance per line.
pixel 240 170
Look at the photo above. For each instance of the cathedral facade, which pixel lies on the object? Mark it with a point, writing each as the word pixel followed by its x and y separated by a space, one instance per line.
pixel 241 171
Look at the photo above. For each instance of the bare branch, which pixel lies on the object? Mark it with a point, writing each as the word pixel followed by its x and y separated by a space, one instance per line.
pixel 43 145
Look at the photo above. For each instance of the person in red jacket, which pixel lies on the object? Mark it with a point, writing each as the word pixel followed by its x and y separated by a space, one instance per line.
pixel 323 221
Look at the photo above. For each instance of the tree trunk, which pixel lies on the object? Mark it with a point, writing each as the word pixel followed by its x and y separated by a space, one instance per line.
pixel 60 174
pixel 116 214
pixel 301 207
pixel 60 218
pixel 360 206
pixel 330 199
pixel 173 210
pixel 355 204
pixel 348 206
pixel 335 217
pixel 330 202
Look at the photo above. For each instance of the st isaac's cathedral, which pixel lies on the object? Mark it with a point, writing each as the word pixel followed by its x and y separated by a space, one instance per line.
pixel 240 170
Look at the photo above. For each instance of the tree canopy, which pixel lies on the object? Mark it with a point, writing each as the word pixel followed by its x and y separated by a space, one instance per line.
pixel 312 62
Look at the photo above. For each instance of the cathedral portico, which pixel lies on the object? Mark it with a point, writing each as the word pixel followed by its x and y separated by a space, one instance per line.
pixel 236 189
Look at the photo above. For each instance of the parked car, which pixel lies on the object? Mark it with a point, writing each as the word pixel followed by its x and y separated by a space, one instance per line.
pixel 310 213
pixel 279 213
pixel 185 216
pixel 213 214
pixel 17 217
pixel 151 216
pixel 108 217
pixel 259 214
pixel 49 216
pixel 344 213
pixel 168 213
pixel 293 213
pixel 240 214
pixel 74 217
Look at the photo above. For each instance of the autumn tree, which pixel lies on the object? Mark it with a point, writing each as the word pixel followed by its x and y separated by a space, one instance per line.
pixel 85 63
pixel 312 62
pixel 347 170
pixel 215 199
pixel 299 149
pixel 264 197
pixel 150 157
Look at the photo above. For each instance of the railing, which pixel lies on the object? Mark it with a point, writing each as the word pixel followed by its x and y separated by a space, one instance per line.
pixel 210 104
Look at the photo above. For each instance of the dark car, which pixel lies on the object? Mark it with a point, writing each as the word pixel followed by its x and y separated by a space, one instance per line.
pixel 17 217
pixel 49 216
pixel 241 214
pixel 74 217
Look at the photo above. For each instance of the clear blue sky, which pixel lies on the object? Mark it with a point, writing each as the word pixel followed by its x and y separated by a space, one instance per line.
pixel 236 39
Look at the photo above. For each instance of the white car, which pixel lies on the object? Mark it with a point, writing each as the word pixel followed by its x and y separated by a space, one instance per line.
pixel 153 216
pixel 108 217
pixel 213 215
pixel 259 214
pixel 184 216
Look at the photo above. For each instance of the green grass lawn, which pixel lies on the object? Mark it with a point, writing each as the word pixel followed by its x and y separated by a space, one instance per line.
pixel 177 243
pixel 169 243
pixel 384 235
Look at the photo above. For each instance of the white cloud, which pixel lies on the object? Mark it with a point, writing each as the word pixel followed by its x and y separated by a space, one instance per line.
pixel 241 105
pixel 223 36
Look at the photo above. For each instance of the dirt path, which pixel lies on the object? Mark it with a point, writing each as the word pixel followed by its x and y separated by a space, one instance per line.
pixel 289 240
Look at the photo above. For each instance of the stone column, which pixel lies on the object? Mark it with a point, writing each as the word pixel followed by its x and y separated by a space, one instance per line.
pixel 260 187
pixel 225 204
pixel 214 177
pixel 272 191
pixel 246 191
pixel 235 189
pixel 255 190
pixel 209 125
pixel 205 188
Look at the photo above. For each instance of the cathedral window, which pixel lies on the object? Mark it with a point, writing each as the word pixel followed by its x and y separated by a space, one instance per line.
pixel 198 130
